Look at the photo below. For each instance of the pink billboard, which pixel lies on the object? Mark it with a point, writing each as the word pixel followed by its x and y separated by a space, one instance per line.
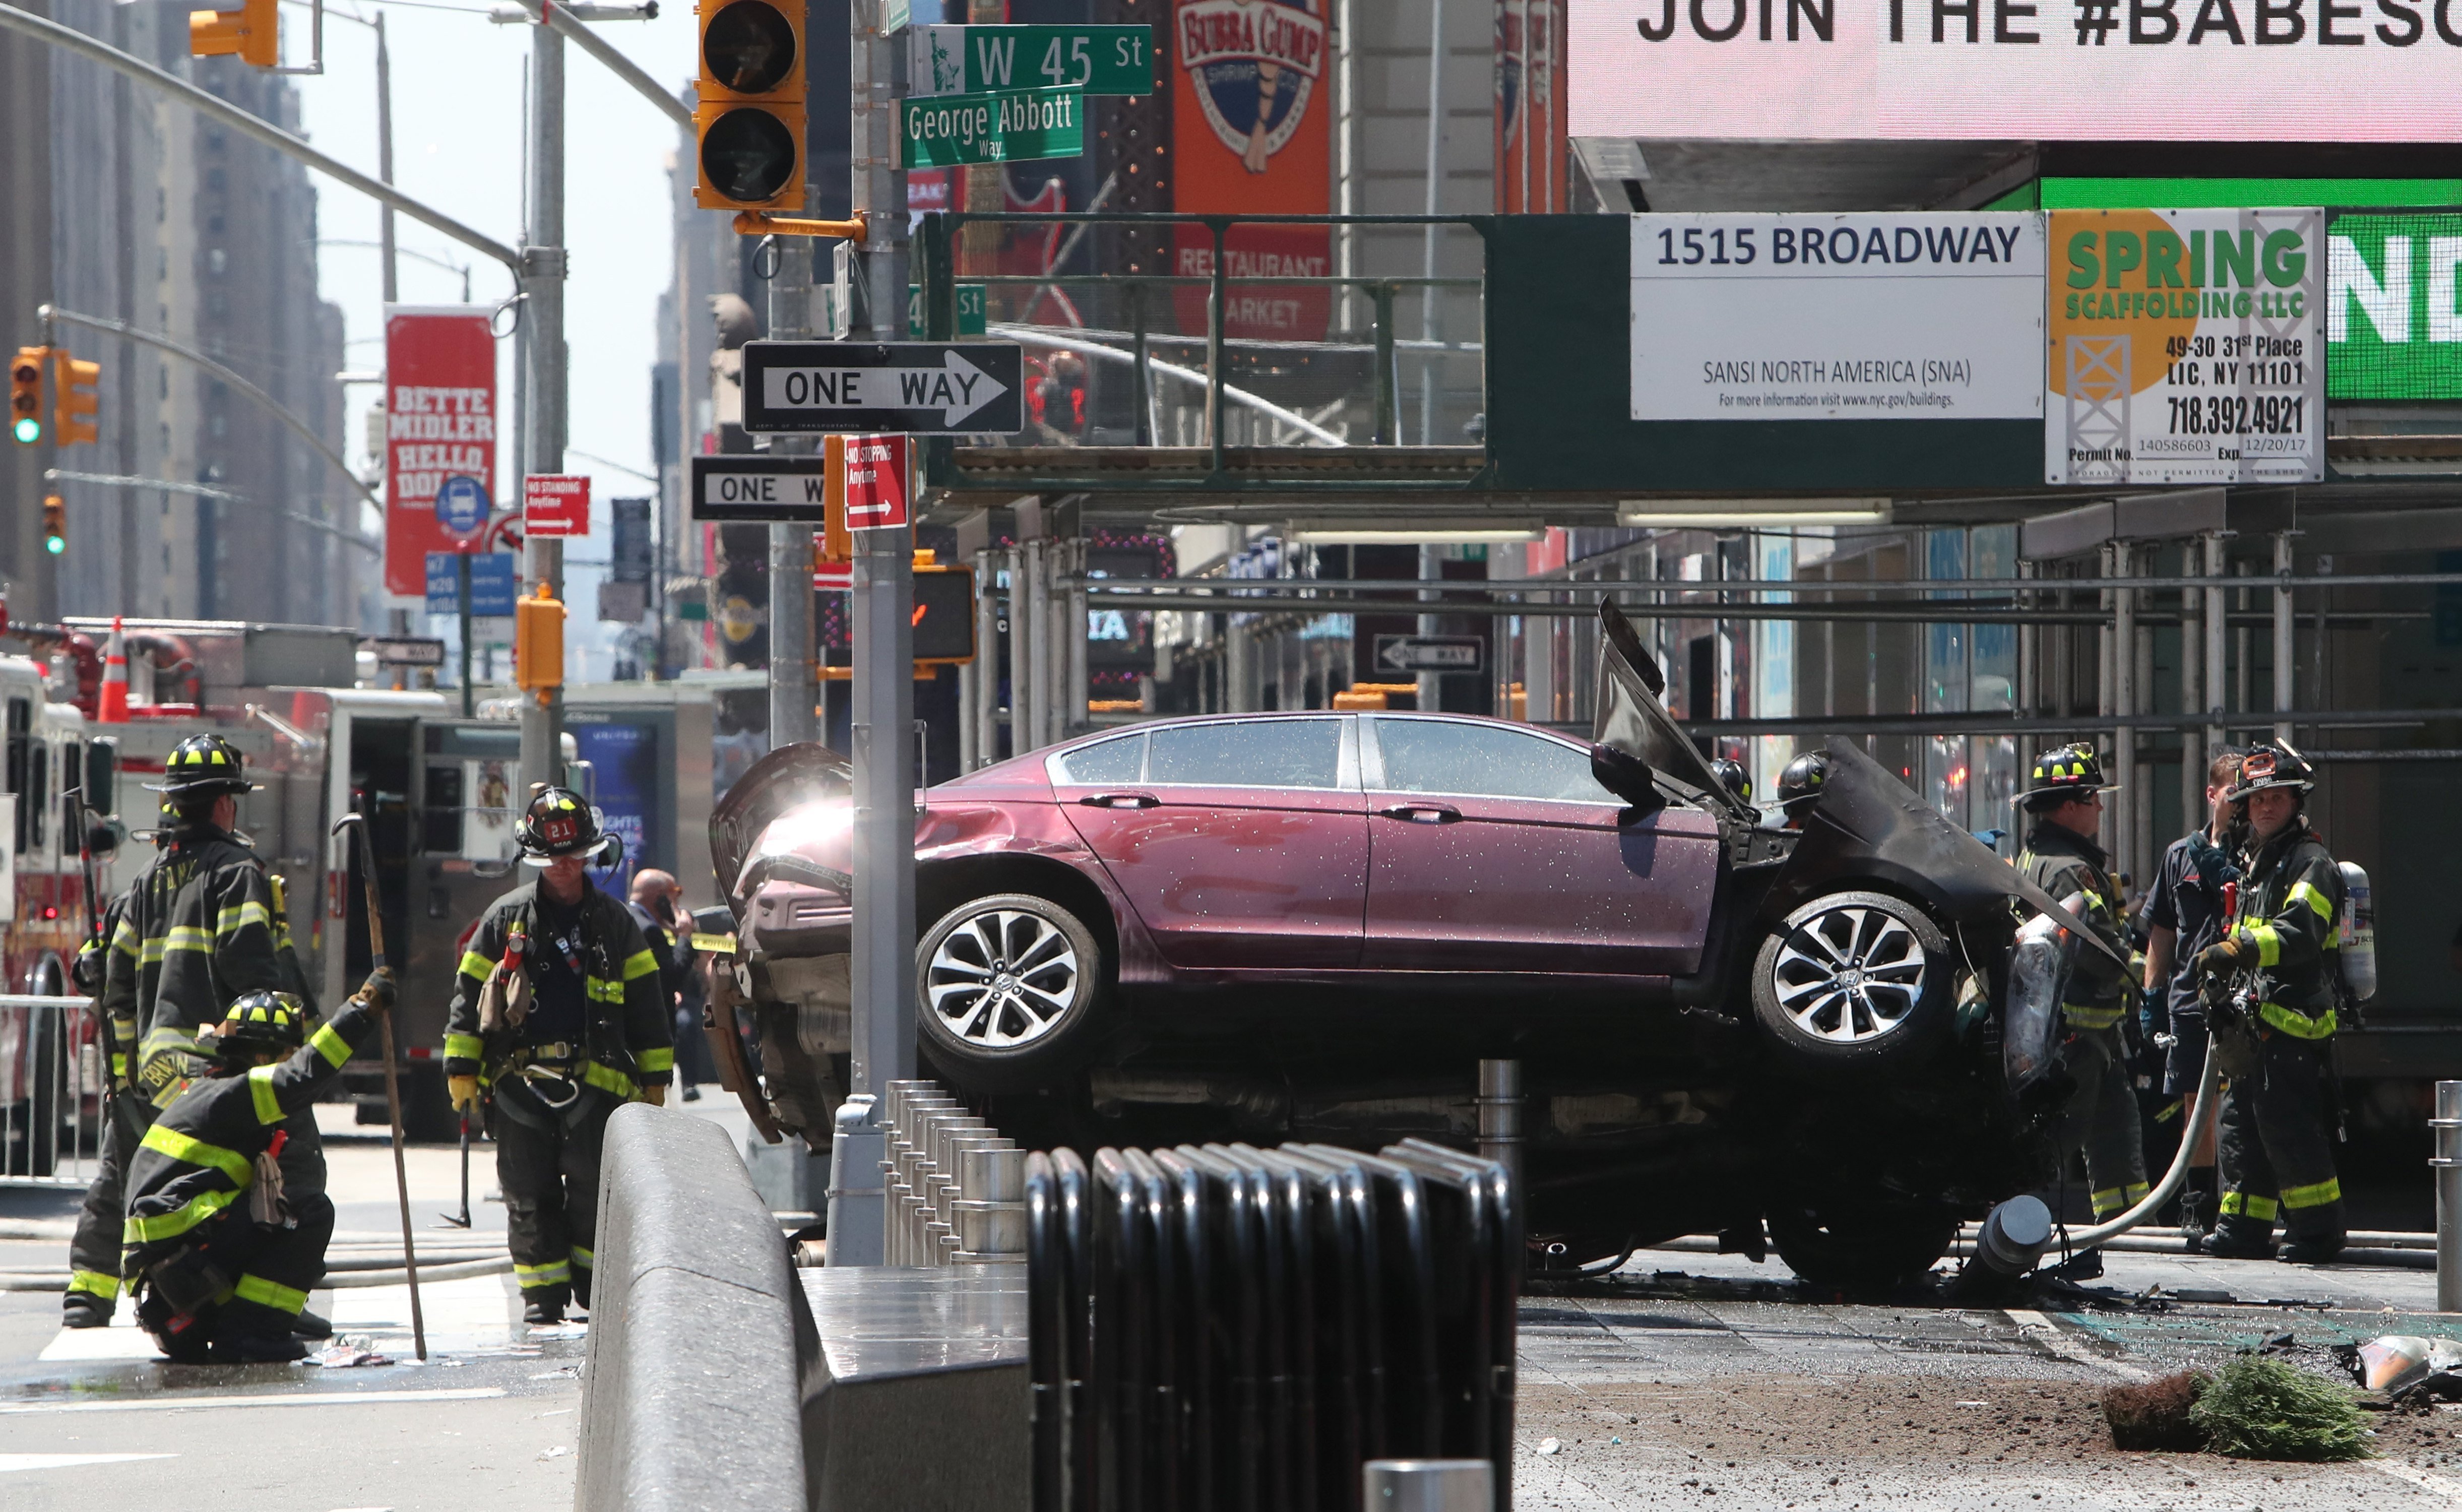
pixel 2019 69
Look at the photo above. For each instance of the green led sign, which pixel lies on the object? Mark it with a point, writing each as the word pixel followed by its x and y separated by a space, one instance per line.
pixel 2394 312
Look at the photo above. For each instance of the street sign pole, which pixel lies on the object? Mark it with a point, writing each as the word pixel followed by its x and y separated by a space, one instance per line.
pixel 794 689
pixel 883 1047
pixel 462 577
pixel 543 410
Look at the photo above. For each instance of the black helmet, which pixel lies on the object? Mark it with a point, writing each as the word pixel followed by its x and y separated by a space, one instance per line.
pixel 203 765
pixel 2272 764
pixel 273 1022
pixel 1732 777
pixel 2070 771
pixel 1802 780
pixel 558 822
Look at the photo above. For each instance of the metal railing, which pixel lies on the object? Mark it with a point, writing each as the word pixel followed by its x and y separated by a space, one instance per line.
pixel 955 1189
pixel 53 1089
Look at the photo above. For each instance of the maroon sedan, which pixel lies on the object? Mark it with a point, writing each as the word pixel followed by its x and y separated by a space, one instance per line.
pixel 1313 925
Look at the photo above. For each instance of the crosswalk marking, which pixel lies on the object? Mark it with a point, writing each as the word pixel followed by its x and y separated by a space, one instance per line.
pixel 332 1399
pixel 10 1464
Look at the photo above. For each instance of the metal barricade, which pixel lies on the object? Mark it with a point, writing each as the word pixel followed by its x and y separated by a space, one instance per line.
pixel 954 1188
pixel 54 1084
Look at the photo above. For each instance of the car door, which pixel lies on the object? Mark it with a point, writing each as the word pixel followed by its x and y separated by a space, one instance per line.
pixel 1242 843
pixel 1491 848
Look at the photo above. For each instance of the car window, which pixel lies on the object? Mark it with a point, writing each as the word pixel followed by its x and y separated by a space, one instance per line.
pixel 1122 760
pixel 1439 756
pixel 1248 753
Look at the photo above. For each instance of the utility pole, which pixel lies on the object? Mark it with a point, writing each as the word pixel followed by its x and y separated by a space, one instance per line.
pixel 884 641
pixel 793 691
pixel 543 372
pixel 384 161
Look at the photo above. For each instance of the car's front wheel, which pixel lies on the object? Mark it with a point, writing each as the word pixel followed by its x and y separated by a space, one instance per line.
pixel 1012 992
pixel 1854 982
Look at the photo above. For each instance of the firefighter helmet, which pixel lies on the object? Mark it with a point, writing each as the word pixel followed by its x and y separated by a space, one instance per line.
pixel 202 764
pixel 261 1021
pixel 1732 777
pixel 2271 764
pixel 1801 781
pixel 558 822
pixel 2068 771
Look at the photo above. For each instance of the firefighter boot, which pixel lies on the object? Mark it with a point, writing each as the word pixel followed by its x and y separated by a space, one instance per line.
pixel 252 1333
pixel 545 1304
pixel 84 1309
pixel 310 1325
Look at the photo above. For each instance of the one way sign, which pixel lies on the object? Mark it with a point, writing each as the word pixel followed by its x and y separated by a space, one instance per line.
pixel 924 388
pixel 1430 653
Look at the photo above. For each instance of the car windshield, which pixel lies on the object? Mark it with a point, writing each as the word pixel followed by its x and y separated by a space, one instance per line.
pixel 1632 720
pixel 1450 756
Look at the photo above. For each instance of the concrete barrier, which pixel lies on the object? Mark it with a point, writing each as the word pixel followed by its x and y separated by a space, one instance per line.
pixel 692 1393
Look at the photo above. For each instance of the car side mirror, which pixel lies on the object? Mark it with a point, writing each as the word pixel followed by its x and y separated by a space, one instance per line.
pixel 1626 776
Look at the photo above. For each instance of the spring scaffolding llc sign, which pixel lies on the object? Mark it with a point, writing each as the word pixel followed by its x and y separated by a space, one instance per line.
pixel 2182 347
pixel 1786 317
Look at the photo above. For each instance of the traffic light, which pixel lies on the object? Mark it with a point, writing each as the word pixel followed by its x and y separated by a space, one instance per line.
pixel 944 611
pixel 26 394
pixel 73 403
pixel 56 523
pixel 250 31
pixel 538 644
pixel 749 119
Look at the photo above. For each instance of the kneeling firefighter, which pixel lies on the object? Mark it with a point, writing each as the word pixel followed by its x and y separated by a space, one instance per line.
pixel 221 1249
pixel 2271 986
pixel 558 1018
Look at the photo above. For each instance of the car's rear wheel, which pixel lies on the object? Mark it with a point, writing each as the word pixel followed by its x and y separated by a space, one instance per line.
pixel 1854 982
pixel 1013 991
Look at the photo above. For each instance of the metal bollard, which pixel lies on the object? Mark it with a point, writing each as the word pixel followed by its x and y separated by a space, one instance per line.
pixel 949 1189
pixel 1500 1115
pixel 1428 1485
pixel 991 1214
pixel 2447 1164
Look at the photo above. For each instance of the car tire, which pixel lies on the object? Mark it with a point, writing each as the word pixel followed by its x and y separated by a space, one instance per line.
pixel 1854 982
pixel 1013 993
pixel 1863 1250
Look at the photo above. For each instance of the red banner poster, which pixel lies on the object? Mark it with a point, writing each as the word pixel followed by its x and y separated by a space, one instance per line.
pixel 1530 164
pixel 439 422
pixel 1251 104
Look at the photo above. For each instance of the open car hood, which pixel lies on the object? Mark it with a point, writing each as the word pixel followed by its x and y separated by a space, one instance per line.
pixel 792 810
pixel 1865 823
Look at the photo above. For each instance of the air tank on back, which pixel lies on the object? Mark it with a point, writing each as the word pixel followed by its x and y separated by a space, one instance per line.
pixel 2355 932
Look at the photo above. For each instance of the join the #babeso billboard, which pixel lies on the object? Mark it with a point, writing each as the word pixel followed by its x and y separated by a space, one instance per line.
pixel 2019 69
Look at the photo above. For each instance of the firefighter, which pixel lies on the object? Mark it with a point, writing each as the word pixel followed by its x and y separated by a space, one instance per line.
pixel 2184 915
pixel 2278 971
pixel 203 924
pixel 2062 857
pixel 560 1016
pixel 1799 784
pixel 221 1248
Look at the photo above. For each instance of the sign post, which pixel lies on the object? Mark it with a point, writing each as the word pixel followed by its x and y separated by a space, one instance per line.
pixel 463 507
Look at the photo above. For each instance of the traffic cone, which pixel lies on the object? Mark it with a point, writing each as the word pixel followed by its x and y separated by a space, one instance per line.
pixel 113 709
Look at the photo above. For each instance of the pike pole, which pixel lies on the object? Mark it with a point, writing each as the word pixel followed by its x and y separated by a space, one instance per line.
pixel 357 825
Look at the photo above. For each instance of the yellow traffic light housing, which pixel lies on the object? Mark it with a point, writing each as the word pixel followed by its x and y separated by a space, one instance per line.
pixel 836 544
pixel 56 523
pixel 748 120
pixel 251 32
pixel 75 403
pixel 538 644
pixel 26 393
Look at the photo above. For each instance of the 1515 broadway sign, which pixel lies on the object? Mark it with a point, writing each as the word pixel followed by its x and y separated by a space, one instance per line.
pixel 1900 317
pixel 2393 309
pixel 2182 347
pixel 2024 70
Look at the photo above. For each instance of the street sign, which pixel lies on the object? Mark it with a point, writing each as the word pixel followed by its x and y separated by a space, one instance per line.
pixel 407 651
pixel 929 388
pixel 555 506
pixel 1013 125
pixel 1430 653
pixel 491 583
pixel 832 576
pixel 766 488
pixel 630 561
pixel 462 507
pixel 1098 59
pixel 970 310
pixel 877 483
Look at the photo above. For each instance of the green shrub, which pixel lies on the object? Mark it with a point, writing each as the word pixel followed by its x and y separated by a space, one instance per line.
pixel 2260 1408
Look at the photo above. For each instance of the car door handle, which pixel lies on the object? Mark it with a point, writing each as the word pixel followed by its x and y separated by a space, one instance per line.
pixel 1422 812
pixel 1120 800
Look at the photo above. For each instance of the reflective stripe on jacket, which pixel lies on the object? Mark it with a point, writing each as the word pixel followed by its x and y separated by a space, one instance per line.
pixel 2290 893
pixel 629 1038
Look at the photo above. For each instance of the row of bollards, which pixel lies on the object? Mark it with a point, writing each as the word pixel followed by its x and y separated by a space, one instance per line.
pixel 955 1189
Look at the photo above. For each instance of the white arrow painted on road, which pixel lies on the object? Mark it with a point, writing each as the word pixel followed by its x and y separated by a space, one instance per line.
pixel 957 388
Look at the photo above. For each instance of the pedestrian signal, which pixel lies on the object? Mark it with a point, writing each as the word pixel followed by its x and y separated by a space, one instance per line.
pixel 26 394
pixel 538 644
pixel 56 523
pixel 74 402
pixel 250 31
pixel 750 116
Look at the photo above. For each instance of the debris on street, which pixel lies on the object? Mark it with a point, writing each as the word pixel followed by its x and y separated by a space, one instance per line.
pixel 2407 1365
pixel 2156 1416
pixel 2261 1407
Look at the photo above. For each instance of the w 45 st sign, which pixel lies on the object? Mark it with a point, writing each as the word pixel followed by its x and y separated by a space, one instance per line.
pixel 972 59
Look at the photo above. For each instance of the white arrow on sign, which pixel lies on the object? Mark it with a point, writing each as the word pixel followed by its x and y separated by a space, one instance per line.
pixel 958 388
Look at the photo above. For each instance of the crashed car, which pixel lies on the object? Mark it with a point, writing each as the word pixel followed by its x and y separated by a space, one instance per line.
pixel 1314 925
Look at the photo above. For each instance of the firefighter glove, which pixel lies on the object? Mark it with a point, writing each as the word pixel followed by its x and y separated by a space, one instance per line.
pixel 376 992
pixel 2228 955
pixel 655 1094
pixel 465 1092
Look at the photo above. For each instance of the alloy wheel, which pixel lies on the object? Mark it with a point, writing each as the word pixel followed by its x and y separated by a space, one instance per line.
pixel 1850 975
pixel 1003 977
